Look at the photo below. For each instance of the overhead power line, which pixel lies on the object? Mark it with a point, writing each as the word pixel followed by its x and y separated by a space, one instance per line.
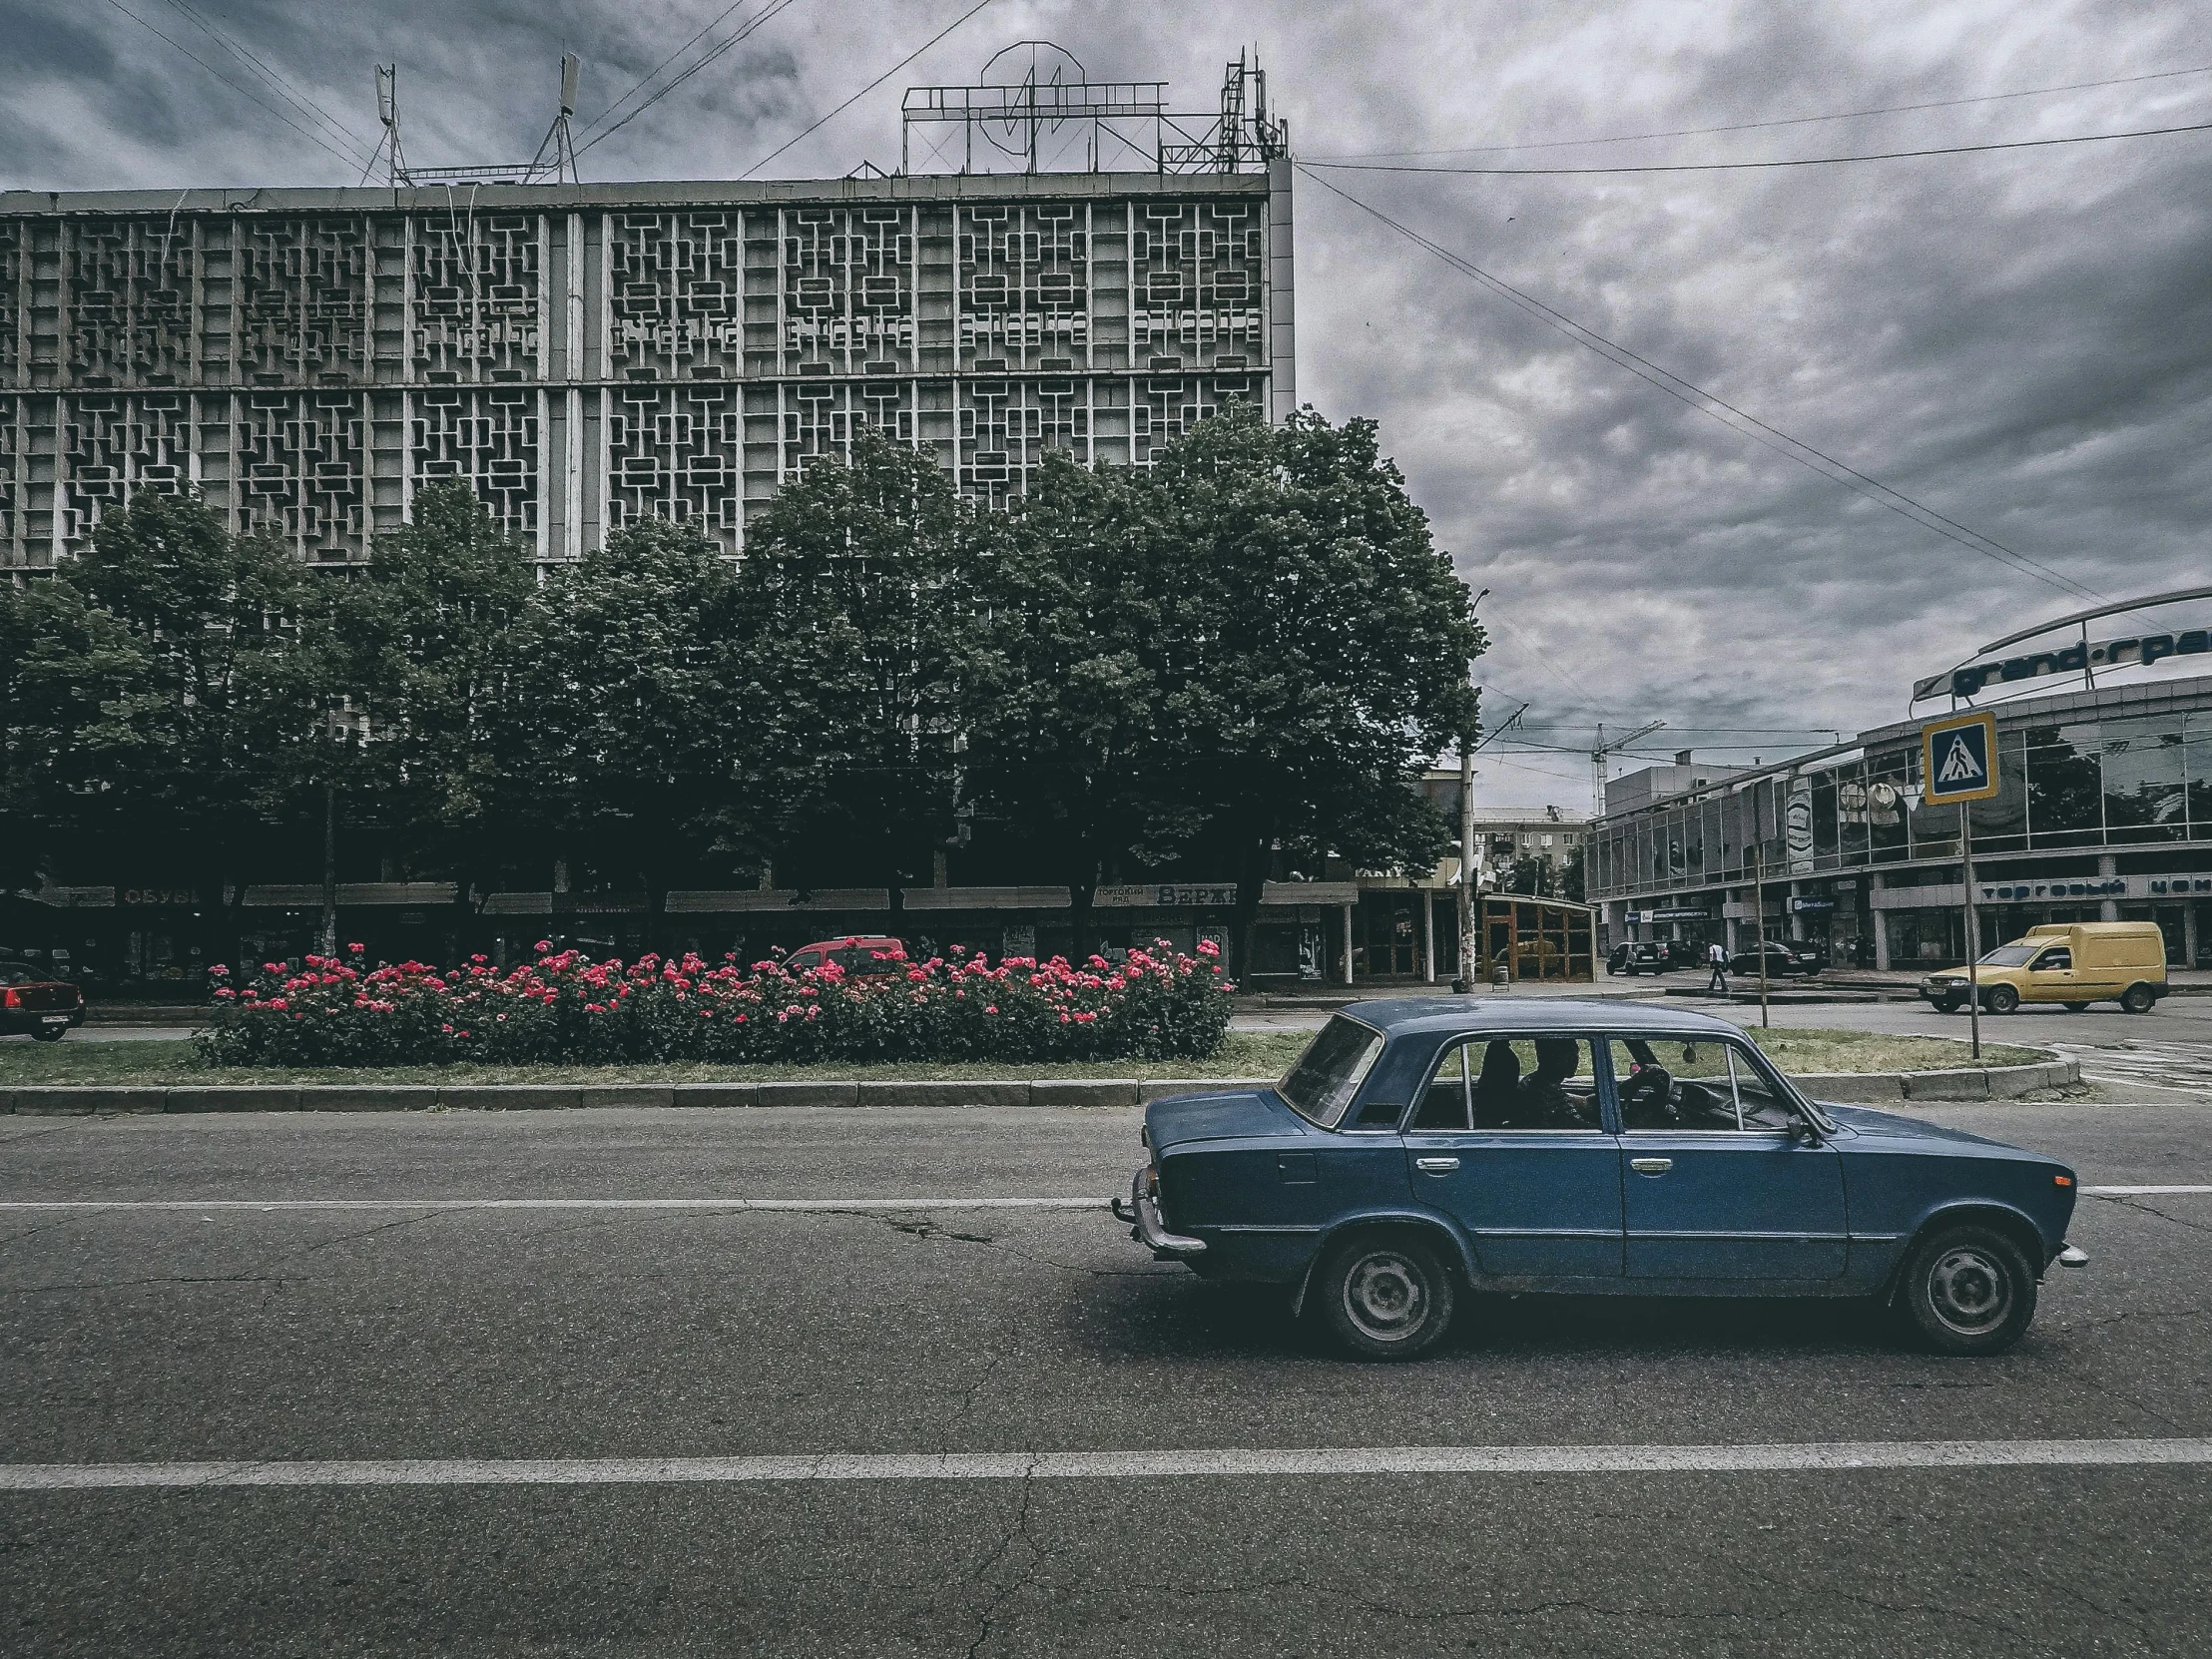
pixel 248 93
pixel 1752 167
pixel 712 55
pixel 865 90
pixel 1711 406
pixel 283 89
pixel 1757 126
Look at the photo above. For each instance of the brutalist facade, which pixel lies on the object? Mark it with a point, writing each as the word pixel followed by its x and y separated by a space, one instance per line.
pixel 588 356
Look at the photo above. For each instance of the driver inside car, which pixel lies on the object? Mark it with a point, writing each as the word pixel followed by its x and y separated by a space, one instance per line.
pixel 1647 1093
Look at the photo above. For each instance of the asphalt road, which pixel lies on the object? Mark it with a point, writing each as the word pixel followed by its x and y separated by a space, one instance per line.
pixel 148 1335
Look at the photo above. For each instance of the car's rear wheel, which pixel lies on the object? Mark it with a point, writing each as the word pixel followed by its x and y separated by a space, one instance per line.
pixel 2138 999
pixel 2001 999
pixel 1387 1296
pixel 1967 1290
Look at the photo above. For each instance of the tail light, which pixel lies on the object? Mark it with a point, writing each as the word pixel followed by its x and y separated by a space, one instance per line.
pixel 10 999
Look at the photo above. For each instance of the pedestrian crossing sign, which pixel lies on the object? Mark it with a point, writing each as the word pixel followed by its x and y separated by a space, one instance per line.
pixel 1959 759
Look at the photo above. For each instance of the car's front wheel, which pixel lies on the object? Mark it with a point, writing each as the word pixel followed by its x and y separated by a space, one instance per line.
pixel 2002 1000
pixel 1967 1290
pixel 1950 1005
pixel 1387 1296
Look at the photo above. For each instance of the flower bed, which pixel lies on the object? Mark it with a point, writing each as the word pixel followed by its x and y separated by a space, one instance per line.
pixel 564 1008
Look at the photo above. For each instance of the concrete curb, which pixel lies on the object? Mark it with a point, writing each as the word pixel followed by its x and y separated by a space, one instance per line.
pixel 1855 1088
pixel 1875 1088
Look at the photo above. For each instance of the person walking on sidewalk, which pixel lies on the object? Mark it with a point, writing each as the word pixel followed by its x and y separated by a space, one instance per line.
pixel 1717 957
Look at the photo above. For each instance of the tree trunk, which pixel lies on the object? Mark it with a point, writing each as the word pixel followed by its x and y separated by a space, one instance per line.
pixel 1250 881
pixel 1082 896
pixel 330 869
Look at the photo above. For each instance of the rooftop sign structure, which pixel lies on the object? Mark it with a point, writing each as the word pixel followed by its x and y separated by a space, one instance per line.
pixel 1036 110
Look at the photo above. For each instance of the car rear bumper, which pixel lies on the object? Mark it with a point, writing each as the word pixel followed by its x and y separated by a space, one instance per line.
pixel 16 1022
pixel 1142 1212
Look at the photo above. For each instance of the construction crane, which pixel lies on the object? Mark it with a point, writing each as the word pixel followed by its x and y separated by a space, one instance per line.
pixel 1600 750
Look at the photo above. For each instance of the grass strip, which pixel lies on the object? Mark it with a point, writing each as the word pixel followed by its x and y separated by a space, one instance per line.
pixel 1241 1054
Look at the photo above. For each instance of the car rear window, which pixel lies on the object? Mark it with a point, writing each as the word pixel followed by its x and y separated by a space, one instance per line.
pixel 17 973
pixel 1328 1075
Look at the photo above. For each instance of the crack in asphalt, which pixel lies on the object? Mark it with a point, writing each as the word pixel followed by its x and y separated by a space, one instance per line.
pixel 2126 1202
pixel 1022 1579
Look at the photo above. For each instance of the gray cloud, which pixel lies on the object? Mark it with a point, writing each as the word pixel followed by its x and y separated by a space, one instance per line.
pixel 2021 340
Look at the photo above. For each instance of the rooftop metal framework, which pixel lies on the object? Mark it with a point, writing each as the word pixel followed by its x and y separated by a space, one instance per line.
pixel 1035 110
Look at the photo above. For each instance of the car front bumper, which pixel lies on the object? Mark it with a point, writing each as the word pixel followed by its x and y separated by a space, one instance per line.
pixel 1142 1211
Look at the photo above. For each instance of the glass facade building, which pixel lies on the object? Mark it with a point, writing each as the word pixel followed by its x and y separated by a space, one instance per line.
pixel 2105 813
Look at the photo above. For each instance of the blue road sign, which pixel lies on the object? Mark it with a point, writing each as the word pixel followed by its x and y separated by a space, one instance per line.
pixel 1959 759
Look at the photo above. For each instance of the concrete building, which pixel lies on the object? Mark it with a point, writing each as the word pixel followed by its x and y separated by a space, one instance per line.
pixel 1638 789
pixel 2105 814
pixel 588 356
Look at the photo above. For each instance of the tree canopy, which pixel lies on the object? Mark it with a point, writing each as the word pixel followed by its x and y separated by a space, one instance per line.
pixel 1230 665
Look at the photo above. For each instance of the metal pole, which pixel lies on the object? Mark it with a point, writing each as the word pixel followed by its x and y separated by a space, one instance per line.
pixel 1467 868
pixel 1759 911
pixel 330 869
pixel 1974 940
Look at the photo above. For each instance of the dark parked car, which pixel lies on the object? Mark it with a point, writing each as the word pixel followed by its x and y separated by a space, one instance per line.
pixel 1783 957
pixel 1424 1149
pixel 1634 957
pixel 32 1000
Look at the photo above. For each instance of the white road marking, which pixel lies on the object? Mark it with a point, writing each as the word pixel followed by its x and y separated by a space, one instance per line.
pixel 2138 1192
pixel 1122 1466
pixel 2185 1067
pixel 825 1204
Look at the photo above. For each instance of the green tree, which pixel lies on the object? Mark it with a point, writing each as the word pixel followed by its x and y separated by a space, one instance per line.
pixel 1317 647
pixel 623 721
pixel 187 665
pixel 1065 742
pixel 859 576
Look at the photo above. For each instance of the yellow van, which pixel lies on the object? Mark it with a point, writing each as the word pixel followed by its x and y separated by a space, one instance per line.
pixel 2074 964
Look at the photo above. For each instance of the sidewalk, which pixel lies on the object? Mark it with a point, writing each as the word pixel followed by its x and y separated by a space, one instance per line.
pixel 1835 985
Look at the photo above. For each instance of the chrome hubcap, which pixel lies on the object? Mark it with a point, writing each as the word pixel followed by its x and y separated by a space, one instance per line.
pixel 1969 1290
pixel 1385 1296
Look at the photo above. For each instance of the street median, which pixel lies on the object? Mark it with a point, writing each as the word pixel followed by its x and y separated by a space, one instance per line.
pixel 89 1100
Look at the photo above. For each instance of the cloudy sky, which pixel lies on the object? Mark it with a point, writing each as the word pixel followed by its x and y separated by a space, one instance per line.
pixel 2020 340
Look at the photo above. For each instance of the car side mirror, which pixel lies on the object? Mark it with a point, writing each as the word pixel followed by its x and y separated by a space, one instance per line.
pixel 1802 1132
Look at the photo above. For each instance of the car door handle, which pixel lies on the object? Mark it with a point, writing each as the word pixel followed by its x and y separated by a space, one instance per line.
pixel 1651 1166
pixel 1435 1166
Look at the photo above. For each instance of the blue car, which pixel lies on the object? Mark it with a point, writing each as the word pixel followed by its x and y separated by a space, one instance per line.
pixel 1424 1149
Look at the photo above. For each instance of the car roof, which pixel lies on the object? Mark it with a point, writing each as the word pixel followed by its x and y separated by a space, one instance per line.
pixel 1395 1016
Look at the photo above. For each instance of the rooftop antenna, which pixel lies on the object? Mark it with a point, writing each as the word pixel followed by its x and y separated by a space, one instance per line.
pixel 560 138
pixel 555 159
pixel 387 112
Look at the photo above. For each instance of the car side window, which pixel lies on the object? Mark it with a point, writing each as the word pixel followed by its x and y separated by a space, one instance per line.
pixel 2057 959
pixel 1511 1083
pixel 1673 1084
pixel 802 962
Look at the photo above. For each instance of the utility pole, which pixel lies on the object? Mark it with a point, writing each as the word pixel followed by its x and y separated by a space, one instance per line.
pixel 1974 935
pixel 1759 911
pixel 329 868
pixel 1466 985
pixel 1469 938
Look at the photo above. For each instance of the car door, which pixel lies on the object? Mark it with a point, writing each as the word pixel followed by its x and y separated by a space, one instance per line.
pixel 2052 977
pixel 1506 1137
pixel 1713 1184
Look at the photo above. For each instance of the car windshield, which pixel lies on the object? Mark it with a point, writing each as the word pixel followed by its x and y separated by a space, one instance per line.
pixel 1321 1086
pixel 2008 955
